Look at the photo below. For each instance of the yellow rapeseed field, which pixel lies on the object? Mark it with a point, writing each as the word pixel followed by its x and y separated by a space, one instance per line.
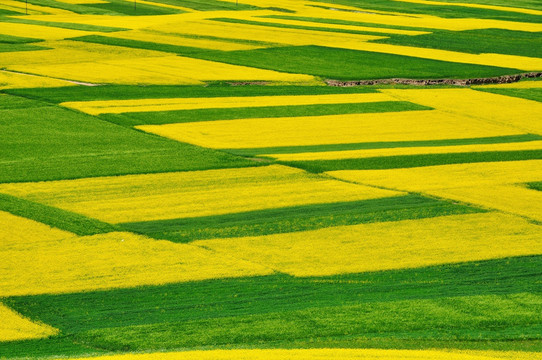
pixel 388 245
pixel 476 6
pixel 512 111
pixel 189 194
pixel 163 38
pixel 350 154
pixel 489 185
pixel 328 354
pixel 16 327
pixel 516 85
pixel 62 262
pixel 427 178
pixel 331 129
pixel 139 105
pixel 9 80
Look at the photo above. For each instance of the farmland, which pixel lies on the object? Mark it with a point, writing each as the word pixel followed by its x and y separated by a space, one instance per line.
pixel 256 179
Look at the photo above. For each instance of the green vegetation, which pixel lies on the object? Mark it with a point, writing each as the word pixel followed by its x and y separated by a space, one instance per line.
pixel 297 218
pixel 61 219
pixel 42 348
pixel 385 145
pixel 64 25
pixel 126 92
pixel 407 161
pixel 208 5
pixel 529 94
pixel 535 185
pixel 475 305
pixel 299 27
pixel 20 47
pixel 322 61
pixel 475 41
pixel 209 114
pixel 445 11
pixel 10 39
pixel 44 142
pixel 111 7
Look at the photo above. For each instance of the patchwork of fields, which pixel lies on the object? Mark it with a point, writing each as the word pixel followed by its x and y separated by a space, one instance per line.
pixel 179 180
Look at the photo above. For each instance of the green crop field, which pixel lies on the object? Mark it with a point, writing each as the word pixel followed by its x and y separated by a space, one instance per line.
pixel 271 180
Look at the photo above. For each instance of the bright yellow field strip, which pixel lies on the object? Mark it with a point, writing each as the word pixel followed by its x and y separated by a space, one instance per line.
pixel 158 4
pixel 476 6
pixel 83 2
pixel 408 244
pixel 332 129
pixel 517 199
pixel 327 354
pixel 36 31
pixel 489 185
pixel 499 60
pixel 419 21
pixel 190 194
pixel 163 70
pixel 517 85
pixel 36 263
pixel 422 179
pixel 16 327
pixel 14 229
pixel 124 106
pixel 351 154
pixel 183 41
pixel 338 26
pixel 33 9
pixel 285 36
pixel 69 52
pixel 520 113
pixel 10 80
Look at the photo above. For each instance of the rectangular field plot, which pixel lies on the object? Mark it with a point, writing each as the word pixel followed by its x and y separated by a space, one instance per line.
pixel 62 262
pixel 191 194
pixel 331 129
pixel 345 311
pixel 44 142
pixel 495 185
pixel 409 244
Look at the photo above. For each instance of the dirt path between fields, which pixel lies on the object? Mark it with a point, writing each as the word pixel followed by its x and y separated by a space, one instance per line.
pixel 506 79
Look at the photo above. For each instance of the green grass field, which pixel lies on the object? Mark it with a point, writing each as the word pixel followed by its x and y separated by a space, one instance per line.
pixel 180 176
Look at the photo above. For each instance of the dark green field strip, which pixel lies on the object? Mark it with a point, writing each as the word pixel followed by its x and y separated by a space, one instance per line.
pixel 50 143
pixel 444 11
pixel 111 7
pixel 346 22
pixel 299 27
pixel 385 145
pixel 408 161
pixel 183 116
pixel 58 218
pixel 208 5
pixel 64 25
pixel 4 12
pixel 10 39
pixel 125 92
pixel 321 61
pixel 535 185
pixel 470 305
pixel 20 47
pixel 297 218
pixel 526 4
pixel 15 102
pixel 475 41
pixel 46 348
pixel 529 94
